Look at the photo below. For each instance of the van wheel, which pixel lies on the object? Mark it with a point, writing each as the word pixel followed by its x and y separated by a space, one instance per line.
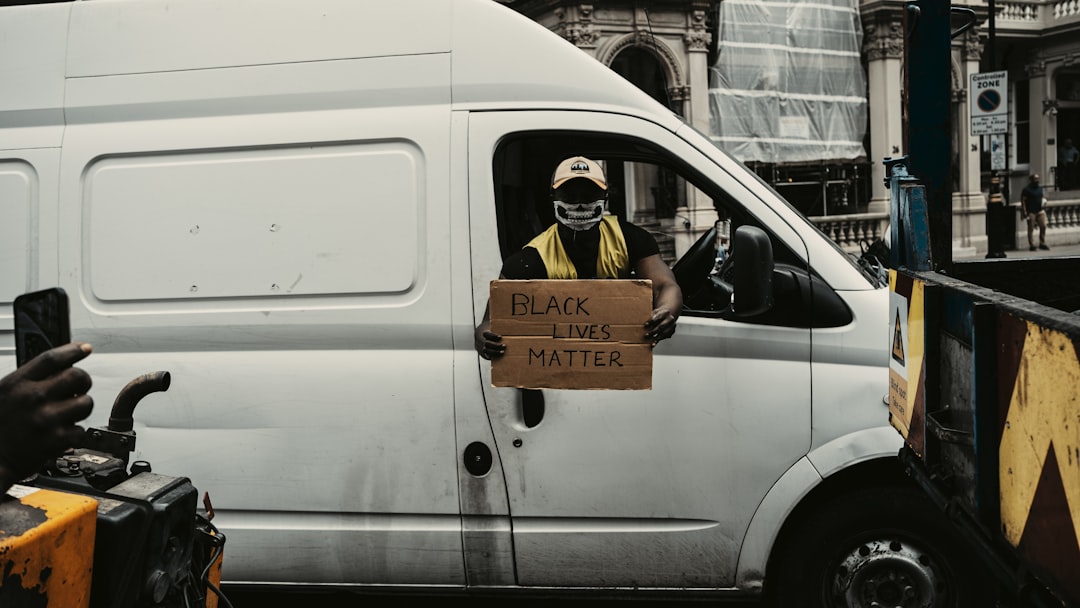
pixel 879 546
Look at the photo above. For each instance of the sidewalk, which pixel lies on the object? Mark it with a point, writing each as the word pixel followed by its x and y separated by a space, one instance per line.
pixel 1057 251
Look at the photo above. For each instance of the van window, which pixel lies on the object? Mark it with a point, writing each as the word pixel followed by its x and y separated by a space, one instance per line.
pixel 652 189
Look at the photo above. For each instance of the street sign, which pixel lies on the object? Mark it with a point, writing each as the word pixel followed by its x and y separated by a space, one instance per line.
pixel 989 95
pixel 997 152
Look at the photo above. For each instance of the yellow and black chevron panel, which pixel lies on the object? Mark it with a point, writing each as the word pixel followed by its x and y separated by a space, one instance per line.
pixel 1039 448
pixel 907 362
pixel 46 548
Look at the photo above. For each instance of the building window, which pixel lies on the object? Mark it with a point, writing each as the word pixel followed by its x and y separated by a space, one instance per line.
pixel 1022 120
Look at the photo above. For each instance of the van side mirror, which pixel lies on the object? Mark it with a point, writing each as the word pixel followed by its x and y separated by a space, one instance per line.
pixel 753 272
pixel 743 285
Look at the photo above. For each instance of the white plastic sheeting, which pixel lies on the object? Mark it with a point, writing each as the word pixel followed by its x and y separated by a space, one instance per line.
pixel 788 85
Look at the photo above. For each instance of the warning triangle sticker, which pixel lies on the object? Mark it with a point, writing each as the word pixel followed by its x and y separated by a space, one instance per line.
pixel 898 341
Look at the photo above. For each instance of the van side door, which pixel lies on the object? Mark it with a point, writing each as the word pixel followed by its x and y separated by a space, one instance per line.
pixel 644 489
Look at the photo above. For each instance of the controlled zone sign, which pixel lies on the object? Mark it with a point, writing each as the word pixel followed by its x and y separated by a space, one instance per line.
pixel 989 97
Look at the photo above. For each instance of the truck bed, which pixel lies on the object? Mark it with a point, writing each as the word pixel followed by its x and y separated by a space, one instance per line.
pixel 990 411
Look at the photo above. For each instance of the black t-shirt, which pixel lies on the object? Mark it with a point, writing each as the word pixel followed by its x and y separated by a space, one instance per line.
pixel 582 248
pixel 1032 197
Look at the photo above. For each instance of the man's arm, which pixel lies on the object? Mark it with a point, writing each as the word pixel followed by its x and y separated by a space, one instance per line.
pixel 39 405
pixel 667 297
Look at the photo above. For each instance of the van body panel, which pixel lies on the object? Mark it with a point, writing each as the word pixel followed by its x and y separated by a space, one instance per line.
pixel 485 514
pixel 774 509
pixel 32 103
pixel 154 36
pixel 346 84
pixel 321 549
pixel 249 221
pixel 853 448
pixel 230 172
pixel 28 196
pixel 19 194
pixel 851 372
pixel 289 265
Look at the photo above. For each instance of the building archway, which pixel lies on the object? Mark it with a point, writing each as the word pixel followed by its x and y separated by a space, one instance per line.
pixel 642 68
pixel 640 57
pixel 652 193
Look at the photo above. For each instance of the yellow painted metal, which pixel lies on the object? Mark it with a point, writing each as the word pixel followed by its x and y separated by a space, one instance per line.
pixel 906 321
pixel 215 579
pixel 46 547
pixel 1044 410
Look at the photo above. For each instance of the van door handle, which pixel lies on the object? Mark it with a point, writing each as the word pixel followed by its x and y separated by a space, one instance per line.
pixel 532 406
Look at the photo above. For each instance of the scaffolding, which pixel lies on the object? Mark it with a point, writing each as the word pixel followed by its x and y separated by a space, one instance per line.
pixel 788 84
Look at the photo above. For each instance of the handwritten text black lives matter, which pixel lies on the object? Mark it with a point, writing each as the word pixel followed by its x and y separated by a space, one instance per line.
pixel 555 309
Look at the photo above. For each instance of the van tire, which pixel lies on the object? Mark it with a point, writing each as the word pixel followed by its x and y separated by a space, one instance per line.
pixel 884 544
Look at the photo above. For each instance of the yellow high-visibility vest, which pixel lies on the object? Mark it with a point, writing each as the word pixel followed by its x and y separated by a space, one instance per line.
pixel 612 260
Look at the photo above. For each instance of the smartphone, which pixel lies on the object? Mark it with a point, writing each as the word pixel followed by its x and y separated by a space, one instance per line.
pixel 42 321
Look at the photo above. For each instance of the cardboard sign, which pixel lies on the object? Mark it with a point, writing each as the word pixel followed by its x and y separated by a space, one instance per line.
pixel 584 334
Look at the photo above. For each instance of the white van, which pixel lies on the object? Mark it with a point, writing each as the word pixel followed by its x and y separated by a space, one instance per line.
pixel 296 207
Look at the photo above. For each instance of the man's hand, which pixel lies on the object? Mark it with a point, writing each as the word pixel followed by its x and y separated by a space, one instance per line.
pixel 39 405
pixel 661 325
pixel 667 298
pixel 488 343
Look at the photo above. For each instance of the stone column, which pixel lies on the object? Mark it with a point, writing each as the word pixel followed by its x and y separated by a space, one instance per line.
pixel 699 211
pixel 697 40
pixel 1041 157
pixel 883 47
pixel 968 200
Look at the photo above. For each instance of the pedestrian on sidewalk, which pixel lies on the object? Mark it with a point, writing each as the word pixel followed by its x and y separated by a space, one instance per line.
pixel 1032 205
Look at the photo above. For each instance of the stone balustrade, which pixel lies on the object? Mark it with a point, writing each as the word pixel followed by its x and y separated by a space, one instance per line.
pixel 1062 214
pixel 1019 11
pixel 854 231
pixel 1036 15
pixel 1065 9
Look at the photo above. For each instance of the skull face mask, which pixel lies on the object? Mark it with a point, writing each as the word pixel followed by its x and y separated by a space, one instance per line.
pixel 579 203
pixel 580 215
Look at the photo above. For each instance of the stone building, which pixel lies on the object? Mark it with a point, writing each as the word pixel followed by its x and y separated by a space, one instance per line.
pixel 672 50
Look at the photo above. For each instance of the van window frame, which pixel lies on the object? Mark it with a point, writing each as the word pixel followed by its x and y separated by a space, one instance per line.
pixel 522 165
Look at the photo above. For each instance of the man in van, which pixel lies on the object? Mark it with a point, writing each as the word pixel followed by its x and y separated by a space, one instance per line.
pixel 587 243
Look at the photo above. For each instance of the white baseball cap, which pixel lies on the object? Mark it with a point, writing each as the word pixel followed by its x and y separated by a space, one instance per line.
pixel 578 166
